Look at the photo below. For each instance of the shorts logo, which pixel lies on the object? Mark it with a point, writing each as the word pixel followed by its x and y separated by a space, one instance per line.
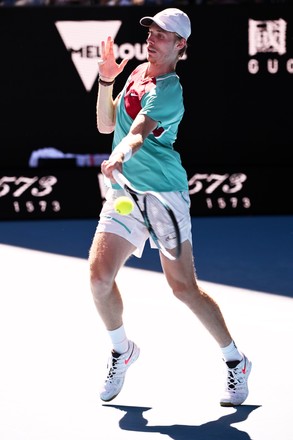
pixel 82 39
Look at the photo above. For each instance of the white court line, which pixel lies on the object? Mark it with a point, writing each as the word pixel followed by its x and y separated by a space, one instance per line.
pixel 54 348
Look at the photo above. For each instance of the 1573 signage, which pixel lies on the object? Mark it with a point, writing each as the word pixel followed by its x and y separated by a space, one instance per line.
pixel 29 194
pixel 248 191
pixel 219 192
pixel 79 192
pixel 49 194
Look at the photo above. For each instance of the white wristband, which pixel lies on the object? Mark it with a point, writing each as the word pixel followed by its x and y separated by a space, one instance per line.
pixel 124 148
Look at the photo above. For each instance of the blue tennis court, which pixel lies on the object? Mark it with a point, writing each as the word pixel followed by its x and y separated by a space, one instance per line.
pixel 54 347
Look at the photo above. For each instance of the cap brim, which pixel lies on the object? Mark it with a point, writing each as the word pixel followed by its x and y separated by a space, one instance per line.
pixel 146 21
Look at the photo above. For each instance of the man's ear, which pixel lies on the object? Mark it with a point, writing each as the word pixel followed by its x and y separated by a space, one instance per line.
pixel 181 43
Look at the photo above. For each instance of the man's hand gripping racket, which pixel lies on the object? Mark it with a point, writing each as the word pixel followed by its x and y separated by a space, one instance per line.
pixel 157 215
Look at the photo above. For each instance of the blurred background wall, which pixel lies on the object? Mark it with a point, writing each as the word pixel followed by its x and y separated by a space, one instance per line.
pixel 236 136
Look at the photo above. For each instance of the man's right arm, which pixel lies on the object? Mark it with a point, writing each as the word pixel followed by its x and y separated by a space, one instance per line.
pixel 106 109
pixel 109 69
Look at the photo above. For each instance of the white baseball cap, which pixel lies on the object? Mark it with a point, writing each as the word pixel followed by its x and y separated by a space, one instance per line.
pixel 171 20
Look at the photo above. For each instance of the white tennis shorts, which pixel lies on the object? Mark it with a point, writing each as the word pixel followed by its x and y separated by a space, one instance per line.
pixel 132 228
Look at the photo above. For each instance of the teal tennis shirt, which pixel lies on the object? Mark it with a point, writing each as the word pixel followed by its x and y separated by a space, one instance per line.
pixel 156 166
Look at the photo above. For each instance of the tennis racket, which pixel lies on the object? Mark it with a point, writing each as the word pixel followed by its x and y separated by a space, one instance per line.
pixel 157 215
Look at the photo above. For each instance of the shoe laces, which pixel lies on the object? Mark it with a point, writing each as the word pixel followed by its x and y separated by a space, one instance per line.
pixel 114 368
pixel 235 376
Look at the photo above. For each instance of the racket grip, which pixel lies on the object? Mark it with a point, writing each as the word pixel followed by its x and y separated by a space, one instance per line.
pixel 120 179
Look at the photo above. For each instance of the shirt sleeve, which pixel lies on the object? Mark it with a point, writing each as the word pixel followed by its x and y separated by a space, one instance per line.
pixel 164 103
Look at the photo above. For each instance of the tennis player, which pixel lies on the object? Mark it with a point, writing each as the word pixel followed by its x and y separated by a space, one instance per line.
pixel 145 118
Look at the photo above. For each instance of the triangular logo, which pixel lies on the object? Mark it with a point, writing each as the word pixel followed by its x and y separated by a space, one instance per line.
pixel 81 39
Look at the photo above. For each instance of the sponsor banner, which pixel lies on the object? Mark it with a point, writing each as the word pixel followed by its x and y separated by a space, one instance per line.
pixel 240 190
pixel 52 193
pixel 49 193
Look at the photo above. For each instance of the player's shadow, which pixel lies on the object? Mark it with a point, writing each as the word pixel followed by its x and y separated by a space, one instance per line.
pixel 221 429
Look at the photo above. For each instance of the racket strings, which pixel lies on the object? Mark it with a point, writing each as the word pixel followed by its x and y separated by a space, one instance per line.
pixel 161 220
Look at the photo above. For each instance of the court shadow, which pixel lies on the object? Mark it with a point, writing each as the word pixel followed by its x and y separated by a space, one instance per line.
pixel 221 429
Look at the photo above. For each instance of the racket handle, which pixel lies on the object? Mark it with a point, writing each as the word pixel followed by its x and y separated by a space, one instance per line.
pixel 120 179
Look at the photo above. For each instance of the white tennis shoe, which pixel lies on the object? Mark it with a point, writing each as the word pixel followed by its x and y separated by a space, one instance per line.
pixel 118 364
pixel 236 389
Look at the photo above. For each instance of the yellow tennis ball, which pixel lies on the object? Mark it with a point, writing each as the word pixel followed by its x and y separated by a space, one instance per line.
pixel 123 205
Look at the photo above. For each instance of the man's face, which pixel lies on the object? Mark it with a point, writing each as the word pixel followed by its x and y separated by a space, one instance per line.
pixel 162 46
